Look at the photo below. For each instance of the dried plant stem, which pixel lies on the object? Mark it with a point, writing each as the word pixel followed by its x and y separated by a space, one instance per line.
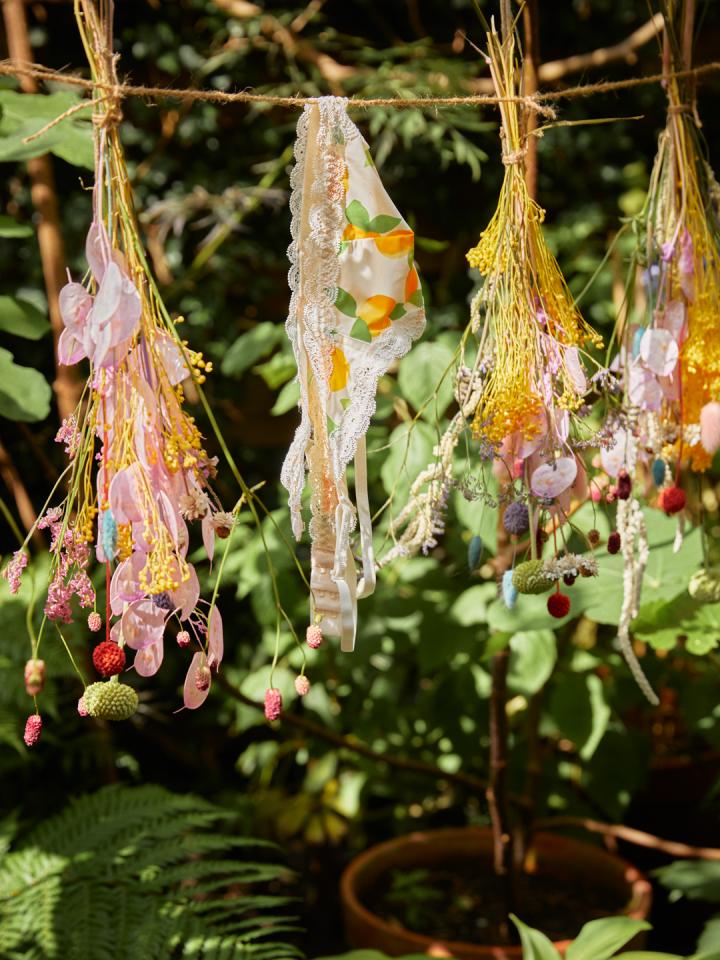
pixel 67 385
pixel 13 481
pixel 496 793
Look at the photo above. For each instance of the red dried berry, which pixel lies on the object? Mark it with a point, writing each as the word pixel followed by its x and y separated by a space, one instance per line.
pixel 624 485
pixel 593 537
pixel 569 579
pixel 108 659
pixel 558 605
pixel 672 500
pixel 614 542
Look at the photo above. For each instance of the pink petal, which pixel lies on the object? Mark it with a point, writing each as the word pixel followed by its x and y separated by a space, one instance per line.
pixel 551 479
pixel 107 299
pixel 673 319
pixel 75 303
pixel 208 535
pixel 172 359
pixel 215 638
pixel 97 343
pixel 169 515
pixel 125 584
pixel 69 349
pixel 643 389
pixel 615 458
pixel 710 427
pixel 125 500
pixel 187 594
pixel 659 350
pixel 148 660
pixel 192 697
pixel 129 312
pixel 97 249
pixel 562 425
pixel 574 369
pixel 143 623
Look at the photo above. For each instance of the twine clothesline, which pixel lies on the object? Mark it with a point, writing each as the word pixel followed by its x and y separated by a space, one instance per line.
pixel 538 102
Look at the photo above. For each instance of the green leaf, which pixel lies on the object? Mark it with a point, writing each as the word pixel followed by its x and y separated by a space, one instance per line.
pixel 251 347
pixel 533 654
pixel 372 955
pixel 357 215
pixel 700 644
pixel 579 709
pixel 419 375
pixel 398 311
pixel 361 331
pixel 409 452
pixel 694 879
pixel 345 303
pixel 22 318
pixel 382 223
pixel 601 939
pixel 11 228
pixel 470 608
pixel 536 945
pixel 23 114
pixel 287 399
pixel 651 955
pixel 24 392
pixel 277 370
pixel 416 298
pixel 710 937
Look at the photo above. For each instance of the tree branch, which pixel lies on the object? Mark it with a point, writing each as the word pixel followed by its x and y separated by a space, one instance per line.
pixel 357 746
pixel 638 838
pixel 625 50
pixel 332 72
pixel 555 70
pixel 67 385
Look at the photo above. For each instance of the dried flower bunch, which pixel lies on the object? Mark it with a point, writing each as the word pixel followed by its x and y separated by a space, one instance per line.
pixel 138 469
pixel 668 364
pixel 522 395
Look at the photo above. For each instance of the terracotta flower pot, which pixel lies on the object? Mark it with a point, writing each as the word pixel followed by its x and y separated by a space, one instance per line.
pixel 555 856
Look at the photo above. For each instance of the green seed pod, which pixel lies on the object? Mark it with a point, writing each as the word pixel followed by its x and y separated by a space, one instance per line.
pixel 704 586
pixel 110 700
pixel 529 577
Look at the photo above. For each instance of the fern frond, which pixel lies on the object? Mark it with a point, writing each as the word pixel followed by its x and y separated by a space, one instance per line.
pixel 141 872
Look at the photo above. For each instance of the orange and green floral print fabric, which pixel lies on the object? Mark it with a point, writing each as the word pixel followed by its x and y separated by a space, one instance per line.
pixel 379 303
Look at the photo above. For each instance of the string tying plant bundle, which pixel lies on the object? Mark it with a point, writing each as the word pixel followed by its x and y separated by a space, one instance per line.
pixel 356 307
pixel 669 357
pixel 522 395
pixel 138 470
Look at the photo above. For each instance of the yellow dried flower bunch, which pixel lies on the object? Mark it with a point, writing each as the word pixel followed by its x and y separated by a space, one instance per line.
pixel 532 330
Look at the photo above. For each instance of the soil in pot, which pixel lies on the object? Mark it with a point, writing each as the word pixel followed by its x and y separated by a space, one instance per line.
pixel 457 901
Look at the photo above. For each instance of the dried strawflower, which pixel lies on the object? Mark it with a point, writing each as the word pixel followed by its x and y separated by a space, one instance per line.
pixel 108 659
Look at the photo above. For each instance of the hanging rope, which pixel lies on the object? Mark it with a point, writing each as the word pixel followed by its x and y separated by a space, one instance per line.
pixel 539 102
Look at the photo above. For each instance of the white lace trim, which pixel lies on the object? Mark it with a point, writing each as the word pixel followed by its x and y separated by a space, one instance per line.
pixel 314 277
pixel 314 273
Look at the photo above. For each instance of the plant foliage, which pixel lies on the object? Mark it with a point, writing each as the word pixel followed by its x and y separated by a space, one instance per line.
pixel 141 872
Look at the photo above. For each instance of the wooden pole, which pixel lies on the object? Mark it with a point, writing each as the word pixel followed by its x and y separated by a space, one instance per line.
pixel 531 61
pixel 66 385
